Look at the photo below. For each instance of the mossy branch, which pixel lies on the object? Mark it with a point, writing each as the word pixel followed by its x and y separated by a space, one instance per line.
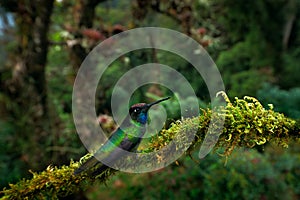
pixel 247 124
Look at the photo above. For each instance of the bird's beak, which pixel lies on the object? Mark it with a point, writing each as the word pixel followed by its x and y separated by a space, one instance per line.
pixel 156 102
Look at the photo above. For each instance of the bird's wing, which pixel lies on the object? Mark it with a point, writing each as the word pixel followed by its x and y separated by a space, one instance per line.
pixel 104 151
pixel 119 144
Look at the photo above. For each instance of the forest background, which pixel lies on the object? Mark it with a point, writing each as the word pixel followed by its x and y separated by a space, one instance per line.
pixel 255 44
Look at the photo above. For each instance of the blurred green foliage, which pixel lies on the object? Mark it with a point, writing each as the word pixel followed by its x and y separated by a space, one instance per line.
pixel 253 48
pixel 10 168
pixel 291 69
pixel 287 102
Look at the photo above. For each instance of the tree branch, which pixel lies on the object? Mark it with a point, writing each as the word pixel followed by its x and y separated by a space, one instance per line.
pixel 248 124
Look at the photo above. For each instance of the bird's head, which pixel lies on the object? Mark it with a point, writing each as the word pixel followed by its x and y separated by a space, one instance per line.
pixel 139 112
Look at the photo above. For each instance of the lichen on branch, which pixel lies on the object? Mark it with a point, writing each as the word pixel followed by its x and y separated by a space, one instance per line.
pixel 247 124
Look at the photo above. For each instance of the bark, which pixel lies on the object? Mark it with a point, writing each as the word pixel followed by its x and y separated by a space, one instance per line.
pixel 27 87
pixel 86 18
pixel 33 21
pixel 180 11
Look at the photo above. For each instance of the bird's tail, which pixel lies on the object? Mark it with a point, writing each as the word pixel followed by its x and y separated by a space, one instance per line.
pixel 91 162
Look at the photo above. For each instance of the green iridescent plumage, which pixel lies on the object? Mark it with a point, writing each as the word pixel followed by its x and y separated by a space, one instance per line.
pixel 127 137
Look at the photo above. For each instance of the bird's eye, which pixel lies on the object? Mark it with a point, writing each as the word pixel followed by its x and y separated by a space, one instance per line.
pixel 136 110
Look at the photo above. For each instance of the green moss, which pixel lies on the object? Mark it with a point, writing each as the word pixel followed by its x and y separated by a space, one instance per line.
pixel 247 124
pixel 53 182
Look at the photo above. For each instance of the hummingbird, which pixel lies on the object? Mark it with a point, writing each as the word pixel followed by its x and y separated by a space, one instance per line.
pixel 126 137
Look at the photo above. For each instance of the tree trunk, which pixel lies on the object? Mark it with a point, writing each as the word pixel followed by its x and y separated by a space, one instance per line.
pixel 27 86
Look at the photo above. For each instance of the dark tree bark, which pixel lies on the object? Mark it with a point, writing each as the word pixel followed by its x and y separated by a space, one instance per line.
pixel 27 86
pixel 88 12
pixel 86 19
pixel 34 29
pixel 180 11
